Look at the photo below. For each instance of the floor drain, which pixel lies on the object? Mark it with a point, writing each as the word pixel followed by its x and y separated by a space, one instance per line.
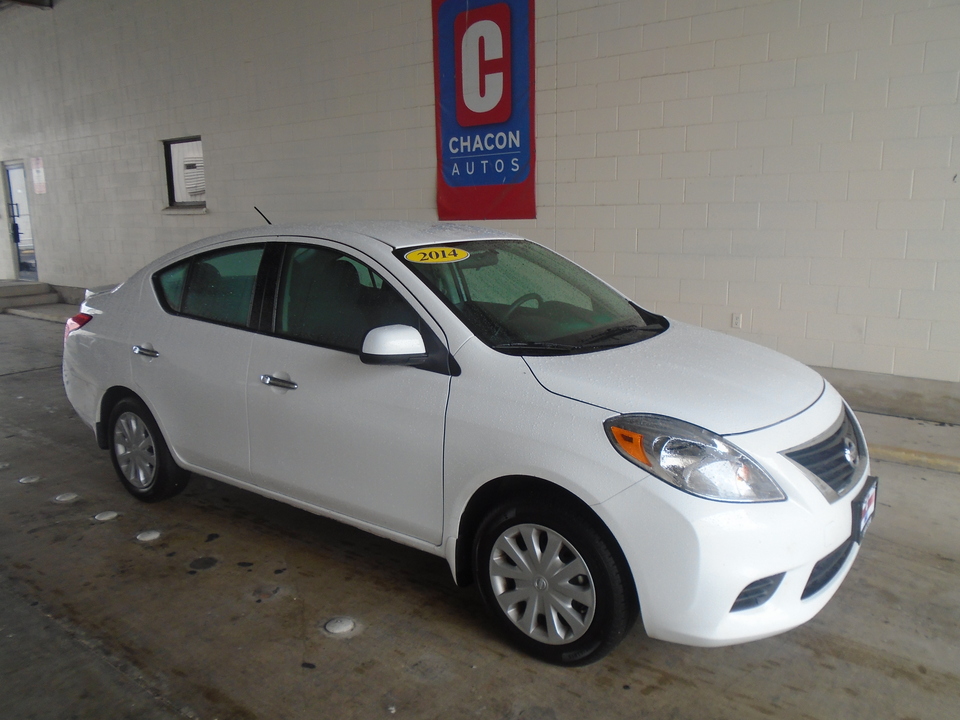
pixel 340 625
pixel 105 516
pixel 66 498
pixel 148 536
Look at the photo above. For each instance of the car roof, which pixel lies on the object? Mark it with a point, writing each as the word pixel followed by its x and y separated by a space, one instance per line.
pixel 401 233
pixel 391 233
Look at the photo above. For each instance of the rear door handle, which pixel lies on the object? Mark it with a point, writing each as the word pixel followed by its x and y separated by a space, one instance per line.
pixel 278 382
pixel 145 352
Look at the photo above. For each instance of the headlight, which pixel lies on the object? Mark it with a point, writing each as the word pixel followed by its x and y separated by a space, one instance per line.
pixel 691 458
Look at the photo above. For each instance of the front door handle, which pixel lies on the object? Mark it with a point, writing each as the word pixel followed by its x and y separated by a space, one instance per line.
pixel 278 382
pixel 145 352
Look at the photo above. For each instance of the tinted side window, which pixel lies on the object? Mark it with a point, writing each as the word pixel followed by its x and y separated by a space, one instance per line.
pixel 170 285
pixel 332 299
pixel 217 286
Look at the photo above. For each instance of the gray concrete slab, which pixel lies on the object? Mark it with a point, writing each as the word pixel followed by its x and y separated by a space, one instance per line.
pixel 933 400
pixel 222 616
pixel 27 345
pixel 921 443
pixel 49 670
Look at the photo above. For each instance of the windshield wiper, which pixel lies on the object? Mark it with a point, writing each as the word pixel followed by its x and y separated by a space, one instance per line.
pixel 642 333
pixel 611 333
pixel 538 347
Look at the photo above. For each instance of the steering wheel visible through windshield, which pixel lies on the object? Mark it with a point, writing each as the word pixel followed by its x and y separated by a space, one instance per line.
pixel 521 298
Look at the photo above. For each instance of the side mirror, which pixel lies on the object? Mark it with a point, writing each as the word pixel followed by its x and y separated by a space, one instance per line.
pixel 393 345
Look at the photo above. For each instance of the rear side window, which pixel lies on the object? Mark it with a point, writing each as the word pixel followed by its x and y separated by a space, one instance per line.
pixel 170 285
pixel 217 286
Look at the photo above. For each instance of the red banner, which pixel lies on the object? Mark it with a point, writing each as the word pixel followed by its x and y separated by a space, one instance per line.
pixel 483 52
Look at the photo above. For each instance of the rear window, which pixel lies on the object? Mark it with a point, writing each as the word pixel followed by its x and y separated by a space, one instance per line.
pixel 217 286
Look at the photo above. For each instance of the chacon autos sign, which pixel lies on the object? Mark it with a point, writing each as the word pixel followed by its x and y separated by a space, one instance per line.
pixel 483 73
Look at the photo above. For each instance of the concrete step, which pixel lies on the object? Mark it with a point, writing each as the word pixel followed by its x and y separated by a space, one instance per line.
pixel 51 313
pixel 48 298
pixel 16 288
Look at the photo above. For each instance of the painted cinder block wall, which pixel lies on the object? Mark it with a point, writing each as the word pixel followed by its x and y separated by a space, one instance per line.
pixel 793 162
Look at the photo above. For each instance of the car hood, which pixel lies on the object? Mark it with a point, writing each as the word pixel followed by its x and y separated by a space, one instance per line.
pixel 718 382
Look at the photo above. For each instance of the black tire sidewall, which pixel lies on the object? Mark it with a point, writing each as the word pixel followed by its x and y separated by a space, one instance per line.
pixel 612 615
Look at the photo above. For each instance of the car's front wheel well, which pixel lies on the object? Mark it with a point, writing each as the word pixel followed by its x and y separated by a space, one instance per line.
pixel 110 398
pixel 517 487
pixel 548 570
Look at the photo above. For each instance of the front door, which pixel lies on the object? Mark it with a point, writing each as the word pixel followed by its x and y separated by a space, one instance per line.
pixel 365 441
pixel 21 231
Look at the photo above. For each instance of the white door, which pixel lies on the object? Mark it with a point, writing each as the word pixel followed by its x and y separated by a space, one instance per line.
pixel 365 441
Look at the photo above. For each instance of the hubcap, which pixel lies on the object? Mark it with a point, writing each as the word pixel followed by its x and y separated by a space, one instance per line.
pixel 542 584
pixel 135 451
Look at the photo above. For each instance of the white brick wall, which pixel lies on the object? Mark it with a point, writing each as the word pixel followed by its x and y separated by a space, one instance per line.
pixel 794 161
pixel 858 148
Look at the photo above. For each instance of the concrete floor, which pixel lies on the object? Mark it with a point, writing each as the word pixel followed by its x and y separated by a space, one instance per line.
pixel 222 616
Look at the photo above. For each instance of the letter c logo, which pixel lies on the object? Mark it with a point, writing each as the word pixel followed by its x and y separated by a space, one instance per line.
pixel 483 65
pixel 481 93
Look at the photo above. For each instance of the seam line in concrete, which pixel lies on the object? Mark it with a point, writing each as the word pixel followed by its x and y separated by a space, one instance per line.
pixel 24 372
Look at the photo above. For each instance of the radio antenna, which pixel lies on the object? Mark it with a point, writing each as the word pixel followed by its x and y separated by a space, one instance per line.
pixel 262 215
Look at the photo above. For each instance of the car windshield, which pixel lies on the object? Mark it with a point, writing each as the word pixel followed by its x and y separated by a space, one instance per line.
pixel 523 299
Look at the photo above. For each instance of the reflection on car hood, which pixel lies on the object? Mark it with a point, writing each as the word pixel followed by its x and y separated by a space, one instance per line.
pixel 718 382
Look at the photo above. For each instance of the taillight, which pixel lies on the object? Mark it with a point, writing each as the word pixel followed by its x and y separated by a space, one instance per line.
pixel 75 323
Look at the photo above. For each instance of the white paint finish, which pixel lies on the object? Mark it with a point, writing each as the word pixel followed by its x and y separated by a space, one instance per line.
pixel 704 378
pixel 375 454
pixel 201 366
pixel 710 532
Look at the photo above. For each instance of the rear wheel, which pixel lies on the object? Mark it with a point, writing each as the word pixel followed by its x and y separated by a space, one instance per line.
pixel 555 583
pixel 140 455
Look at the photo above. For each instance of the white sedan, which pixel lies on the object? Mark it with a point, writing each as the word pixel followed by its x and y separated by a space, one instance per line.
pixel 477 396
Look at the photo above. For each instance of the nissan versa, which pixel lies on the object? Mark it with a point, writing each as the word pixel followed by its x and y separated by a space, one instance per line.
pixel 582 460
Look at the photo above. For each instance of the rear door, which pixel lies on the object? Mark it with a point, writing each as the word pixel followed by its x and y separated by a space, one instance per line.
pixel 191 346
pixel 364 441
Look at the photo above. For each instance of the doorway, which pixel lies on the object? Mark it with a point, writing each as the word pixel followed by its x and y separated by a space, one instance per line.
pixel 18 211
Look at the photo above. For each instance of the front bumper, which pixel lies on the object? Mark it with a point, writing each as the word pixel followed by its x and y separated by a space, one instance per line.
pixel 692 558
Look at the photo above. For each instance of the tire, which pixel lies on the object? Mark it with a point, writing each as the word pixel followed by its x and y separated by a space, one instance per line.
pixel 554 582
pixel 140 455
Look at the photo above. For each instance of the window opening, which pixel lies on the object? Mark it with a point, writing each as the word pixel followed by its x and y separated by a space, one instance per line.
pixel 186 177
pixel 332 299
pixel 218 287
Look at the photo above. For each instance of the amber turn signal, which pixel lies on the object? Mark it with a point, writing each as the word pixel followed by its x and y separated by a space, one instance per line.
pixel 631 443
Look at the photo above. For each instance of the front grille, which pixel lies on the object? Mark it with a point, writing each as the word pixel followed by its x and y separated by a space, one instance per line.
pixel 757 593
pixel 825 570
pixel 835 459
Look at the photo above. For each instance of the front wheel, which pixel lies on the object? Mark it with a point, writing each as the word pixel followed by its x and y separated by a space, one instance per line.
pixel 140 455
pixel 556 584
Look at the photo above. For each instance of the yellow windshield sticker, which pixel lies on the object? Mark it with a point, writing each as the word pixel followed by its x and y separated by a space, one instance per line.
pixel 436 255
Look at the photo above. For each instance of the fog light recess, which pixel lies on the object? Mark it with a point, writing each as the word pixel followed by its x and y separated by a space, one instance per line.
pixel 757 593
